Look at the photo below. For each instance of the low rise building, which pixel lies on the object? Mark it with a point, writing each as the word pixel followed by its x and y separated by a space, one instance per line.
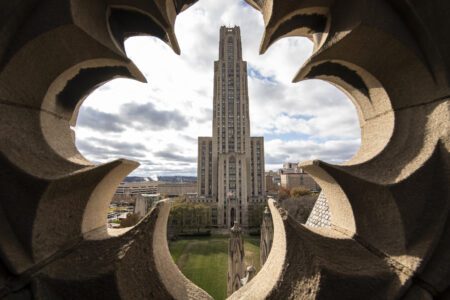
pixel 131 191
pixel 191 197
pixel 139 197
pixel 292 176
pixel 272 181
pixel 289 167
pixel 293 180
pixel 173 189
pixel 144 203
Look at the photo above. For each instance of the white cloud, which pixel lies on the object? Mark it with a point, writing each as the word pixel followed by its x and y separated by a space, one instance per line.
pixel 301 150
pixel 309 120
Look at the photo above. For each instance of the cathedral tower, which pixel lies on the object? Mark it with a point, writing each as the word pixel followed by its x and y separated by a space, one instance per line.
pixel 231 163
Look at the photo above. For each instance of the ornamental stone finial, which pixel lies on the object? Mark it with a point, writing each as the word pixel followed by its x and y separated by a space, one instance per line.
pixel 236 269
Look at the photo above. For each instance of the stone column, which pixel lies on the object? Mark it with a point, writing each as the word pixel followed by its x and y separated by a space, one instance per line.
pixel 236 270
pixel 266 236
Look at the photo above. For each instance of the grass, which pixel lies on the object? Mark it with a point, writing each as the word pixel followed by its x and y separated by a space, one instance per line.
pixel 177 248
pixel 205 261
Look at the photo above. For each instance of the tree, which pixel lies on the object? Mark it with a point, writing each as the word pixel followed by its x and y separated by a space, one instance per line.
pixel 283 193
pixel 298 192
pixel 188 216
pixel 255 215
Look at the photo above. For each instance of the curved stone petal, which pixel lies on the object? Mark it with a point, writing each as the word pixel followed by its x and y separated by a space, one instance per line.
pixel 392 198
pixel 134 265
pixel 390 203
pixel 52 55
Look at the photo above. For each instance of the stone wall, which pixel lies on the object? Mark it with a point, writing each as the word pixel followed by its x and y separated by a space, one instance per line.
pixel 320 215
pixel 389 205
pixel 299 208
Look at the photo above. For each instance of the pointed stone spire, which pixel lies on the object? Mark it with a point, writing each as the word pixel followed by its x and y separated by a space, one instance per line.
pixel 236 269
pixel 266 236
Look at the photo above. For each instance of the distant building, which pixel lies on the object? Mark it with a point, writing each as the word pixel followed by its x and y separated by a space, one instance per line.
pixel 272 181
pixel 174 189
pixel 289 167
pixel 292 180
pixel 292 176
pixel 271 185
pixel 144 202
pixel 130 191
pixel 231 163
pixel 269 182
pixel 191 197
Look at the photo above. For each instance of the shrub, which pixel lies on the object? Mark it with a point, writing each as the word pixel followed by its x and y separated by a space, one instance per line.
pixel 300 191
pixel 283 193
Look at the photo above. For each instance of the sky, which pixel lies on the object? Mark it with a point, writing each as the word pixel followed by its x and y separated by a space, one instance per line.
pixel 157 123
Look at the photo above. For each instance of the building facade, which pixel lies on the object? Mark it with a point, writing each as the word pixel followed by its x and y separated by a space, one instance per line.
pixel 301 180
pixel 292 176
pixel 273 182
pixel 231 163
pixel 130 191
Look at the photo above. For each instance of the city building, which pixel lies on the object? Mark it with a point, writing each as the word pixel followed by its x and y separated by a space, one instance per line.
pixel 292 176
pixel 139 197
pixel 174 189
pixel 130 191
pixel 293 180
pixel 231 163
pixel 272 181
pixel 289 167
pixel 144 202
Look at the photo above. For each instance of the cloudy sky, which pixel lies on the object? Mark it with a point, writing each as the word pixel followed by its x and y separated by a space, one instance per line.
pixel 157 124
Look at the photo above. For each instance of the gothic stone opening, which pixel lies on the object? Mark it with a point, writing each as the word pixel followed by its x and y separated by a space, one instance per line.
pixel 390 229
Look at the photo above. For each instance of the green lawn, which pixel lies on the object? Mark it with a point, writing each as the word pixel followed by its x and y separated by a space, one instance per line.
pixel 204 261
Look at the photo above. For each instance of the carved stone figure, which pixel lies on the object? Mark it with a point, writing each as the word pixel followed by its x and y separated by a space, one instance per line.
pixel 236 269
pixel 265 243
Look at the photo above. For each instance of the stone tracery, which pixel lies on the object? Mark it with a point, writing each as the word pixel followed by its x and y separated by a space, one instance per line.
pixel 390 229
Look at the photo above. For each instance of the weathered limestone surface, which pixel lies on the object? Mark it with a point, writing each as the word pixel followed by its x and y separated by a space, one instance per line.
pixel 389 234
pixel 320 215
pixel 389 205
pixel 53 203
pixel 300 208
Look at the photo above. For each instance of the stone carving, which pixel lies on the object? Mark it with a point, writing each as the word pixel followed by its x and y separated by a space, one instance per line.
pixel 389 205
pixel 320 215
pixel 236 269
pixel 265 243
pixel 389 231
pixel 53 203
pixel 300 208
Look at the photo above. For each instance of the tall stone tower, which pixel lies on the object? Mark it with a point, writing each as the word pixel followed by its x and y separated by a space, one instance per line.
pixel 231 163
